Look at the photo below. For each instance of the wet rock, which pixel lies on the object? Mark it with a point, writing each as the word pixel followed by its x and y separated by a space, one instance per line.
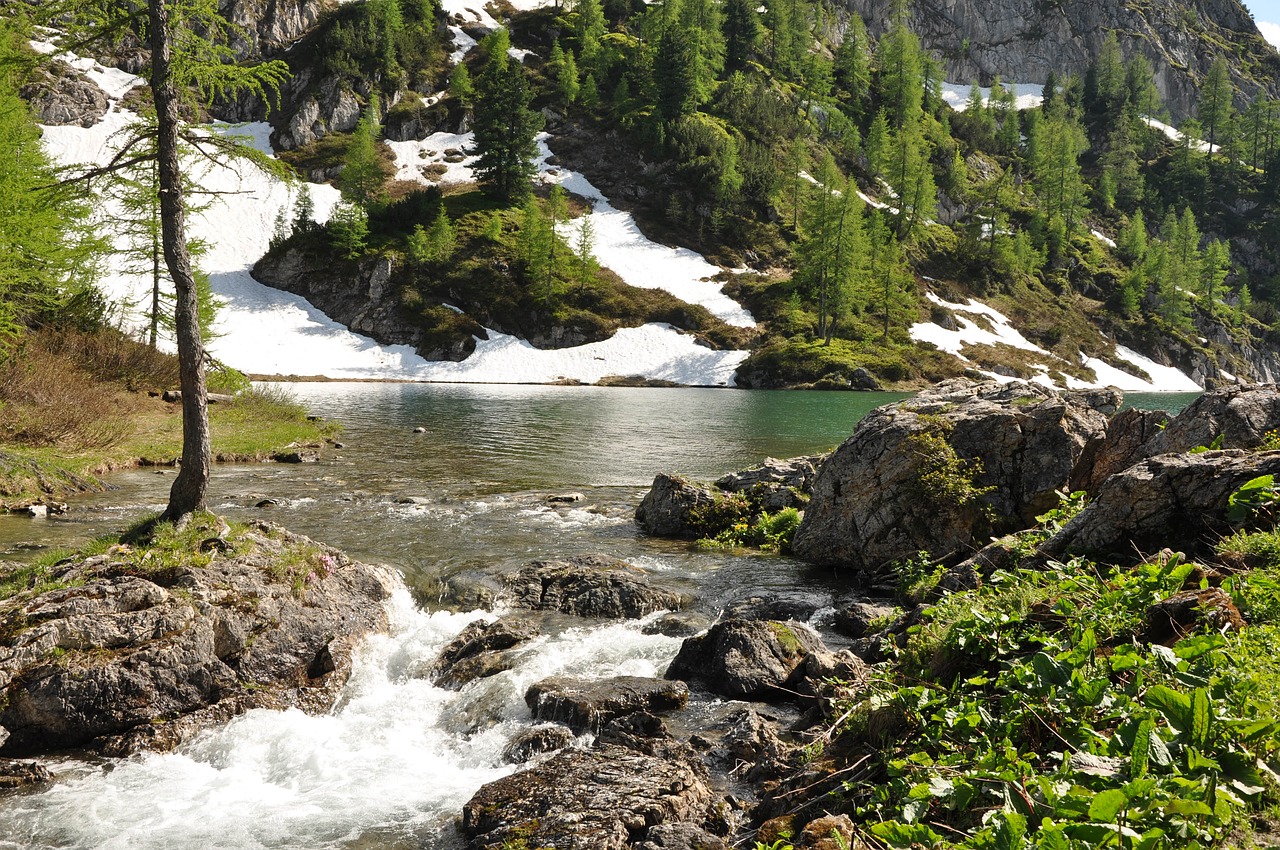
pixel 745 659
pixel 587 586
pixel 479 651
pixel 586 704
pixel 297 456
pixel 640 731
pixel 666 510
pixel 751 746
pixel 678 624
pixel 869 507
pixel 535 741
pixel 565 499
pixel 122 662
pixel 1172 619
pixel 854 618
pixel 15 774
pixel 606 798
pixel 778 605
pixel 1173 500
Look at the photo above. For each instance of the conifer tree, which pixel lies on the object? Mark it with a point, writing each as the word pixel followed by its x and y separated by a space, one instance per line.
pixel 505 127
pixel 741 33
pixel 589 27
pixel 1214 111
pixel 349 228
pixel 461 87
pixel 853 63
pixel 585 265
pixel 362 180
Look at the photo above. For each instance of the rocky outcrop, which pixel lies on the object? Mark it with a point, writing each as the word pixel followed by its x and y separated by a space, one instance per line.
pixel 745 659
pixel 585 705
pixel 678 507
pixel 62 95
pixel 544 738
pixel 1171 500
pixel 480 651
pixel 15 774
pixel 1234 418
pixel 127 652
pixel 587 586
pixel 1024 41
pixel 362 296
pixel 266 29
pixel 946 469
pixel 606 798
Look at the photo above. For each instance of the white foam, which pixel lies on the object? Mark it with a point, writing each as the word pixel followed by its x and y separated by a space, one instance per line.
pixel 397 755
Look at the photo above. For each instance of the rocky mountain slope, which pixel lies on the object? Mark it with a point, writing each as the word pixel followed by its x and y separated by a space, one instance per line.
pixel 1026 40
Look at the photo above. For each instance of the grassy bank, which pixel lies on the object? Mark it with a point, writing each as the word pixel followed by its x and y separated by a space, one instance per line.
pixel 77 405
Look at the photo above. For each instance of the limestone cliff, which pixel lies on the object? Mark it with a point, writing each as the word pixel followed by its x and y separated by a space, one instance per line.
pixel 1024 40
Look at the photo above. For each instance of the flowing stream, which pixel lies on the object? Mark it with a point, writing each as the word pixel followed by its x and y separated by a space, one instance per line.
pixel 392 764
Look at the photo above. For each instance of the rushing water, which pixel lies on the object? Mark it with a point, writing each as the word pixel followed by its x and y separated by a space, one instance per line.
pixel 392 764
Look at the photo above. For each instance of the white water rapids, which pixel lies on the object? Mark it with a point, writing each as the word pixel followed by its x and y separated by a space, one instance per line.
pixel 391 766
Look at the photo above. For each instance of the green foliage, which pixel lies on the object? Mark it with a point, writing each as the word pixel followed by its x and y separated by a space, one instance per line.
pixel 768 532
pixel 435 245
pixel 362 179
pixel 1256 499
pixel 348 228
pixel 505 129
pixel 945 480
pixel 725 510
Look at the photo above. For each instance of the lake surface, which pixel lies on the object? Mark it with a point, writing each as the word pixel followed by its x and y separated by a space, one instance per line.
pixel 392 764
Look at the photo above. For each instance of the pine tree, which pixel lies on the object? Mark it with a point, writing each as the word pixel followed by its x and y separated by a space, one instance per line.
pixel 348 228
pixel 741 33
pixel 461 87
pixel 1215 266
pixel 434 245
pixel 1132 244
pixel 304 211
pixel 505 130
pixel 1215 111
pixel 567 80
pixel 1060 141
pixel 589 27
pixel 677 75
pixel 831 257
pixel 585 265
pixel 1104 89
pixel 888 290
pixel 852 63
pixel 362 179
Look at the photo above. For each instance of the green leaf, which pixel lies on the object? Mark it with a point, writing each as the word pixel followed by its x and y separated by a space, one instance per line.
pixel 897 834
pixel 1107 805
pixel 1051 837
pixel 1011 831
pixel 1140 755
pixel 1175 707
pixel 1201 714
pixel 1187 808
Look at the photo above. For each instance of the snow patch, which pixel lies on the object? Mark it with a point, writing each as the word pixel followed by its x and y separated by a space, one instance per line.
pixel 970 332
pixel 1163 379
pixel 1026 95
pixel 621 247
pixel 1103 238
pixel 415 155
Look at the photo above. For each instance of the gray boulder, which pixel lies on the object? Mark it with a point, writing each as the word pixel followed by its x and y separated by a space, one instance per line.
pixel 775 484
pixel 1172 500
pixel 869 507
pixel 480 651
pixel 667 509
pixel 681 836
pixel 124 655
pixel 587 704
pixel 536 740
pixel 587 586
pixel 606 798
pixel 745 659
pixel 15 774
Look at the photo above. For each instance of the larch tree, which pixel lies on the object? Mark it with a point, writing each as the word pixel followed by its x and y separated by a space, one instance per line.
pixel 506 128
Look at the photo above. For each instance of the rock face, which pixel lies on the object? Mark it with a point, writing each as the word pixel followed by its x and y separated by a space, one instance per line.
pixel 268 28
pixel 587 704
pixel 121 661
pixel 1023 41
pixel 775 484
pixel 869 507
pixel 605 798
pixel 480 650
pixel 360 295
pixel 1239 417
pixel 745 659
pixel 588 586
pixel 1171 500
pixel 63 95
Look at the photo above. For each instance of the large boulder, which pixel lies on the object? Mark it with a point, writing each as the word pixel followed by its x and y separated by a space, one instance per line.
pixel 678 507
pixel 1238 417
pixel 588 586
pixel 127 652
pixel 480 651
pixel 943 471
pixel 606 798
pixel 1172 500
pixel 745 659
pixel 668 509
pixel 585 705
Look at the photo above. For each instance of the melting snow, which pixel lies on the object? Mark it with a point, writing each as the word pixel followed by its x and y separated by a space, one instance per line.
pixel 1160 378
pixel 265 330
pixel 1103 238
pixel 1026 95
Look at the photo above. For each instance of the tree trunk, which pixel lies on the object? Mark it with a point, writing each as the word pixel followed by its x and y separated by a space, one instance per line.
pixel 187 493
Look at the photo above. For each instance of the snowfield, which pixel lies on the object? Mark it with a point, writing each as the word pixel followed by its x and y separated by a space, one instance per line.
pixel 262 330
pixel 1160 379
pixel 1027 95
